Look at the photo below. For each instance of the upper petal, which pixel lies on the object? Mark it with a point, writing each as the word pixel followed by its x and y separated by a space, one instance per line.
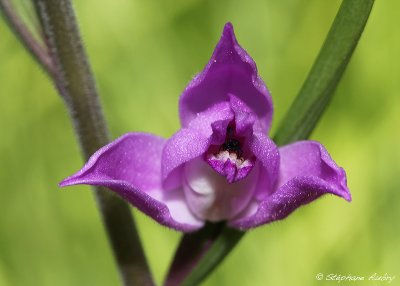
pixel 230 71
pixel 192 141
pixel 131 167
pixel 306 172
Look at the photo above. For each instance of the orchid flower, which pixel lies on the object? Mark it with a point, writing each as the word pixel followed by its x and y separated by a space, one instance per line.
pixel 221 165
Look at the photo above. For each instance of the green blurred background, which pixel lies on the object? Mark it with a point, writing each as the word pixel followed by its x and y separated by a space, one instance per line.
pixel 143 53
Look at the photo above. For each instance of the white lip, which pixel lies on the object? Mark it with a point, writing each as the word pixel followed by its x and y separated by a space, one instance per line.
pixel 225 155
pixel 211 197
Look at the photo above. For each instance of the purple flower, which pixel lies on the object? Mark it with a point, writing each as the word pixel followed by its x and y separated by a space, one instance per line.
pixel 221 165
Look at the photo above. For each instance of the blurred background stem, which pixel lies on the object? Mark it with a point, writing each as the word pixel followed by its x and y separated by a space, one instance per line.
pixel 65 61
pixel 36 49
pixel 75 77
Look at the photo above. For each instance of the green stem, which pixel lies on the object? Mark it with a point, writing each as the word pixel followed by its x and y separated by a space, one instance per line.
pixel 191 249
pixel 305 111
pixel 226 241
pixel 74 79
pixel 319 87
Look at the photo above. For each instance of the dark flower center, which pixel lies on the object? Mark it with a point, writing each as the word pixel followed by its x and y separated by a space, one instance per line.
pixel 228 159
pixel 231 144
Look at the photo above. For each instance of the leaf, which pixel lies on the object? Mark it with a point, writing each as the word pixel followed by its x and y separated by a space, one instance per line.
pixel 319 87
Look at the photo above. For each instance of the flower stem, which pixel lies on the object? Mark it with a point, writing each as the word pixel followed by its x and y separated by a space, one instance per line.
pixel 190 250
pixel 216 253
pixel 305 111
pixel 75 81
